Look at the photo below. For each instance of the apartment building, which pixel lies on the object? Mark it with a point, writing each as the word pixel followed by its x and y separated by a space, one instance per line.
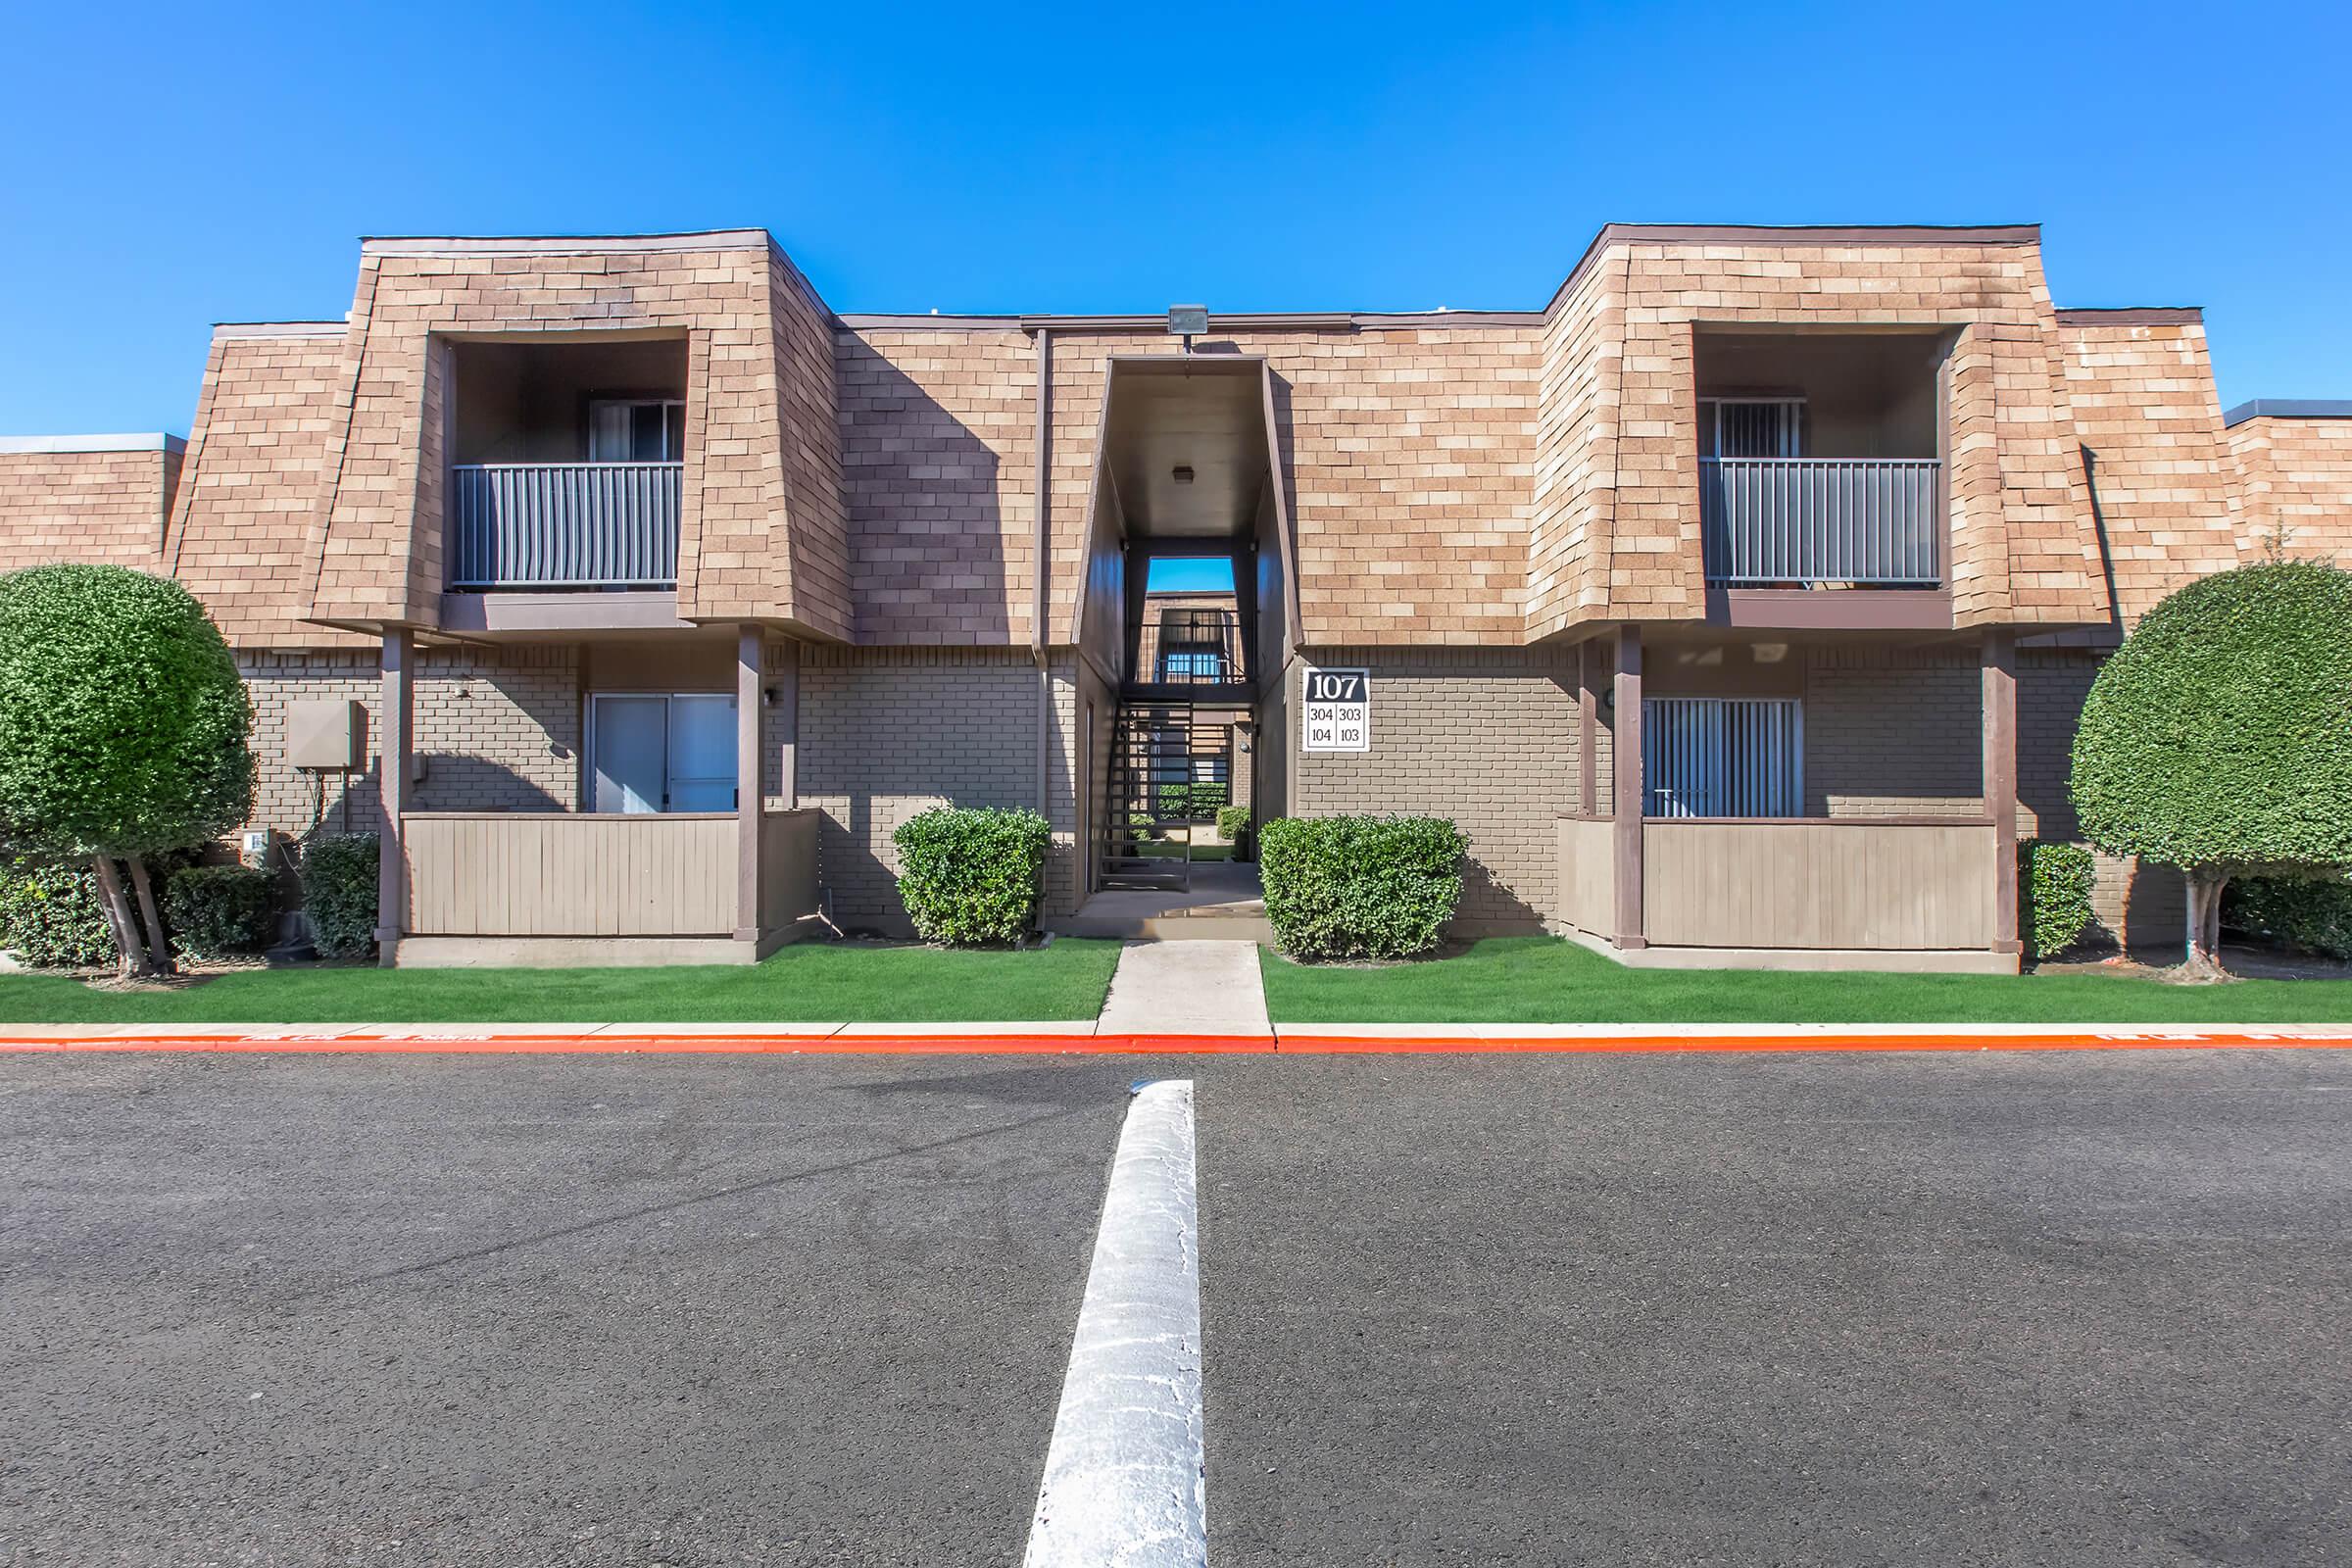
pixel 1737 601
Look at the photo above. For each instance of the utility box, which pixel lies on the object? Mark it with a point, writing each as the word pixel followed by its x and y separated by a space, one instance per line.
pixel 327 737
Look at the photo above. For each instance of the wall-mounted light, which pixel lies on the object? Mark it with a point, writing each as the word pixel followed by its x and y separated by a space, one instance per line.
pixel 767 697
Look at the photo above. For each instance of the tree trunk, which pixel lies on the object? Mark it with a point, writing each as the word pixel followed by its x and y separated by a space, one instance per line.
pixel 2203 962
pixel 132 952
pixel 158 947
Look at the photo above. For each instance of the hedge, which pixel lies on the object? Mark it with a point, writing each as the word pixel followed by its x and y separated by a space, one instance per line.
pixel 2309 912
pixel 339 872
pixel 969 877
pixel 1232 821
pixel 2053 895
pixel 213 911
pixel 1360 886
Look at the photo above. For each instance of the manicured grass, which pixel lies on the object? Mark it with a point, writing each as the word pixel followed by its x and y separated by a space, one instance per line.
pixel 809 983
pixel 1547 980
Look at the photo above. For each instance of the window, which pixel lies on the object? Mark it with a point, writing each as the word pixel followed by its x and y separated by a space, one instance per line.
pixel 1751 427
pixel 1722 756
pixel 1178 668
pixel 637 430
pixel 663 752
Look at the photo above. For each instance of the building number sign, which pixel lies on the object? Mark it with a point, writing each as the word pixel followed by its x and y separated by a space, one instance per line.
pixel 1338 711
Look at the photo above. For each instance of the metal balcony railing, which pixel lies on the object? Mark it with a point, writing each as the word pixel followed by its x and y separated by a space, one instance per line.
pixel 1189 648
pixel 1871 522
pixel 564 524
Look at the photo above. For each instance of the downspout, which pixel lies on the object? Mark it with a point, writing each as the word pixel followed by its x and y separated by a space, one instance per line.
pixel 1038 597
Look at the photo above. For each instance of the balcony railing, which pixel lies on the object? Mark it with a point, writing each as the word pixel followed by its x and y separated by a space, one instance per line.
pixel 564 524
pixel 1871 522
pixel 1191 648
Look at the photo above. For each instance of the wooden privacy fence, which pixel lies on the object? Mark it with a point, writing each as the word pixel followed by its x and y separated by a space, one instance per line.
pixel 1914 884
pixel 589 874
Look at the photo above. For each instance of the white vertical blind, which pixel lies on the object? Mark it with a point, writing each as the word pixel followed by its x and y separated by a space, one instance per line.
pixel 1722 756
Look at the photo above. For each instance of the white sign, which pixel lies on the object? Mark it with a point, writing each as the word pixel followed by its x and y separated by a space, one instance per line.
pixel 1338 711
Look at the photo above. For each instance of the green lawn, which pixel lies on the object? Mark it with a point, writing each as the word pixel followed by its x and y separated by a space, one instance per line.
pixel 809 983
pixel 1547 980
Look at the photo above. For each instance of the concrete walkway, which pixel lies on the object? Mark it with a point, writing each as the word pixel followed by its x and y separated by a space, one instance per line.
pixel 1187 987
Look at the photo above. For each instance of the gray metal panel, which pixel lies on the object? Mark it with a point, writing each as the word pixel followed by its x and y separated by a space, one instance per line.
pixel 2290 408
pixel 564 524
pixel 1873 521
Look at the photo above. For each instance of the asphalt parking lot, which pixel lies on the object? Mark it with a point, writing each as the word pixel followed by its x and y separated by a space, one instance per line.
pixel 1852 1309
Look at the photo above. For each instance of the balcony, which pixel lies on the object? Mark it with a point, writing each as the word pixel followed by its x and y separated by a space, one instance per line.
pixel 564 525
pixel 1193 651
pixel 1867 523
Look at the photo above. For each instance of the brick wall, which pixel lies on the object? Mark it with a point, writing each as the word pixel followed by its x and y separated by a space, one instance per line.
pixel 885 734
pixel 498 730
pixel 1894 733
pixel 103 508
pixel 1489 738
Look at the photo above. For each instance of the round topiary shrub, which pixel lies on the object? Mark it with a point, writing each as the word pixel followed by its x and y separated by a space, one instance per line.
pixel 2219 736
pixel 971 877
pixel 2054 882
pixel 123 727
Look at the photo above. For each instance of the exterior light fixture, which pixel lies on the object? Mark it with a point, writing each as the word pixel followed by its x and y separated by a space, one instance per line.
pixel 1188 321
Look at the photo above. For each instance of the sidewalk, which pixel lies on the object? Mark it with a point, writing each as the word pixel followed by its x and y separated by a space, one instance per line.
pixel 1031 1039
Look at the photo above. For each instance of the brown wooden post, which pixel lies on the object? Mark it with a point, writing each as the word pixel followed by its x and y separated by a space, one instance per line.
pixel 1588 718
pixel 2000 780
pixel 1626 786
pixel 395 760
pixel 751 647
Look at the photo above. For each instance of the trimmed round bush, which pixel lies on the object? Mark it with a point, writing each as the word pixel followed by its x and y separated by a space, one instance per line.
pixel 2313 914
pixel 124 723
pixel 339 880
pixel 214 910
pixel 2219 736
pixel 123 727
pixel 51 915
pixel 971 877
pixel 1360 887
pixel 2054 887
pixel 1232 820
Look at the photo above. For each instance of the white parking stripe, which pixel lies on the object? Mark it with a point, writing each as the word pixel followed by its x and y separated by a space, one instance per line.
pixel 1124 1473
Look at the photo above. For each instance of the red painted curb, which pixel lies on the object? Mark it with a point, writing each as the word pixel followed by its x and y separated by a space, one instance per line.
pixel 1149 1045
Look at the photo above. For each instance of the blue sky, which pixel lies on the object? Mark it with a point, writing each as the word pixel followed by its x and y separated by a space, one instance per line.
pixel 171 165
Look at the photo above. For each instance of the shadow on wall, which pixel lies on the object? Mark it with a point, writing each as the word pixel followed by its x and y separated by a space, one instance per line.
pixel 455 782
pixel 926 523
pixel 1488 906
